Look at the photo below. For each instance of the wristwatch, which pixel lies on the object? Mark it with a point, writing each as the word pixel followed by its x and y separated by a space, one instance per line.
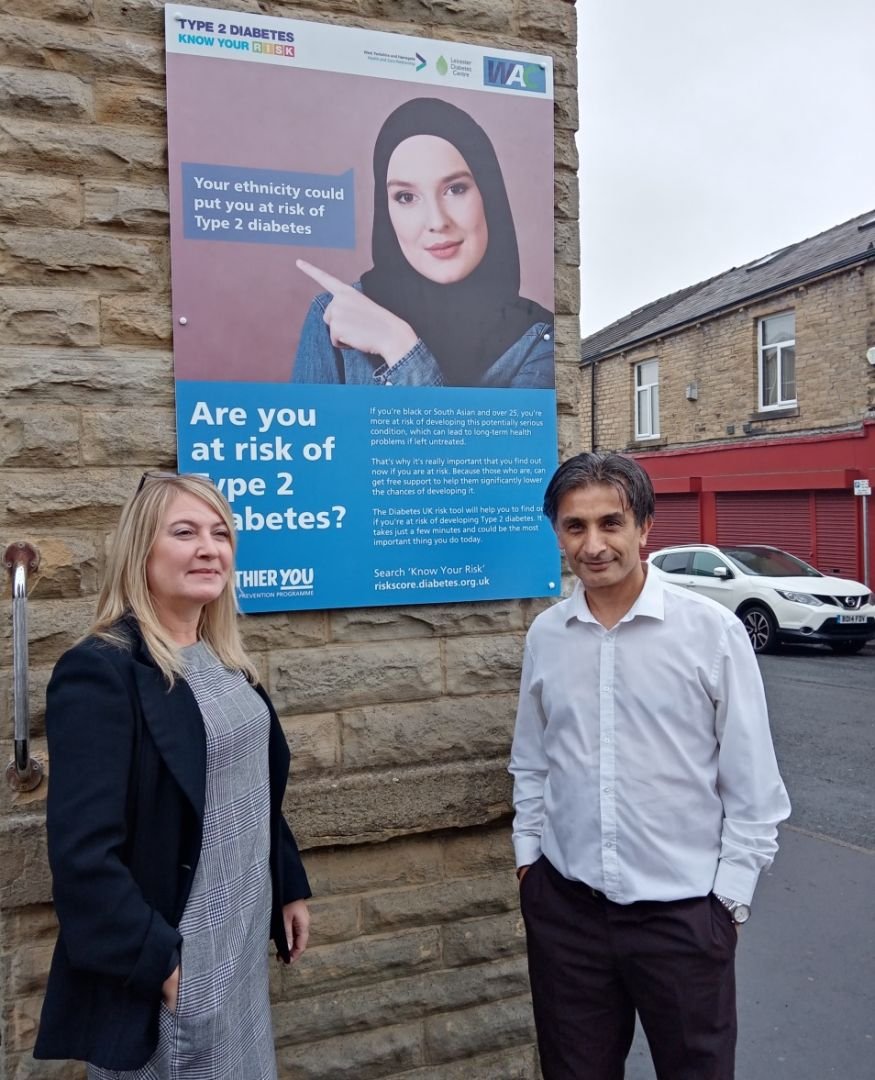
pixel 740 912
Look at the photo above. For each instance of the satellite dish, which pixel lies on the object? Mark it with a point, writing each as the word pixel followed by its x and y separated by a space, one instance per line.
pixel 870 355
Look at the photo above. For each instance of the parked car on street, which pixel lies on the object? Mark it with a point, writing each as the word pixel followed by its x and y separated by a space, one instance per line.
pixel 777 596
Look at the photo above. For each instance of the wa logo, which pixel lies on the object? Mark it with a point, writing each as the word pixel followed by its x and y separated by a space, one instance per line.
pixel 514 75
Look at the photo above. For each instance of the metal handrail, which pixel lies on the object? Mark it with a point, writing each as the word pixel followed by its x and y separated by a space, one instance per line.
pixel 23 773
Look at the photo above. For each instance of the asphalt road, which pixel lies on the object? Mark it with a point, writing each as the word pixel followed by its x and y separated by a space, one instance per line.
pixel 806 960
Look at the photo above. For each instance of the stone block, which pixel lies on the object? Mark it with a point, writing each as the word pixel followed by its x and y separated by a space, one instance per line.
pixel 40 200
pixel 565 151
pixel 26 969
pixel 100 378
pixel 339 871
pixel 141 209
pixel 478 851
pixel 548 20
pixel 425 620
pixel 375 806
pixel 451 902
pixel 477 1030
pixel 355 1057
pixel 21 1020
pixel 48 317
pixel 36 925
pixel 24 867
pixel 448 729
pixel 130 104
pixel 333 920
pixel 96 260
pixel 39 437
pixel 341 676
pixel 472 14
pixel 570 385
pixel 363 961
pixel 82 149
pixel 567 290
pixel 94 53
pixel 135 319
pixel 53 627
pixel 473 941
pixel 24 1067
pixel 314 742
pixel 46 93
pixel 129 436
pixel 68 566
pixel 63 10
pixel 566 197
pixel 315 1015
pixel 90 497
pixel 566 241
pixel 147 16
pixel 490 663
pixel 283 630
pixel 518 1063
pixel 564 62
pixel 565 109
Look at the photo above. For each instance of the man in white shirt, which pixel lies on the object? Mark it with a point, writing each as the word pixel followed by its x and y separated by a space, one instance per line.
pixel 647 796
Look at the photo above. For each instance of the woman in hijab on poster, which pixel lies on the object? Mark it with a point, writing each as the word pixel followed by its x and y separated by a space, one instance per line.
pixel 441 305
pixel 172 865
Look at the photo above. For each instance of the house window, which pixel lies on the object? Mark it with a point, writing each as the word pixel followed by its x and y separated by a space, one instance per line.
pixel 647 399
pixel 777 361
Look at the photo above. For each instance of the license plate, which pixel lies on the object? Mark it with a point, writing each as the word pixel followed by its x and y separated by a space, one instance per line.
pixel 846 619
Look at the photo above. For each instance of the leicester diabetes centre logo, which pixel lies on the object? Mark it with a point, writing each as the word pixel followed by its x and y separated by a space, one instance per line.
pixel 514 75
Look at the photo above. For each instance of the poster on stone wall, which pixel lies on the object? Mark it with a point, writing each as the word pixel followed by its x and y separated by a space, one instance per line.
pixel 362 276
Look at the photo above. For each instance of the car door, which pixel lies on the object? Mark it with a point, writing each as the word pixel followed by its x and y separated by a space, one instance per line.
pixel 712 576
pixel 675 563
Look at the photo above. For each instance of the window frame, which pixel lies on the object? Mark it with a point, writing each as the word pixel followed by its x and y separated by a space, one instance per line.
pixel 779 346
pixel 646 391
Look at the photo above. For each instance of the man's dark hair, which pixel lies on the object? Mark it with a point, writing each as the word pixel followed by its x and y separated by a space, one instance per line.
pixel 630 480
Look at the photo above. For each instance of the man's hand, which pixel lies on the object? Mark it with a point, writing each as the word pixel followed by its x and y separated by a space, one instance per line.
pixel 521 872
pixel 356 322
pixel 296 918
pixel 170 989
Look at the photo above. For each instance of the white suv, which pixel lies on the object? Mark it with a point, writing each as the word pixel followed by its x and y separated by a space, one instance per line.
pixel 777 596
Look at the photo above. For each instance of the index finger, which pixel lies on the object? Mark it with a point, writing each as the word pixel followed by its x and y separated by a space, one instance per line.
pixel 322 277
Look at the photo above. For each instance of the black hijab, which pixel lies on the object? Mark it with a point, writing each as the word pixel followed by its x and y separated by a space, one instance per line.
pixel 467 324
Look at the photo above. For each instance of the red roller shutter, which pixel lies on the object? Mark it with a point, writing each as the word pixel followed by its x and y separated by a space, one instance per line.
pixel 676 521
pixel 838 550
pixel 780 518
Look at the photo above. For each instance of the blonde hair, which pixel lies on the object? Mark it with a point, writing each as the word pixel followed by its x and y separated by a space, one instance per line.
pixel 125 588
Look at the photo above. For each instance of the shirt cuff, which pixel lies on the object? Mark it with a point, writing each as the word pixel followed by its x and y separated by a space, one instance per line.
pixel 735 882
pixel 527 850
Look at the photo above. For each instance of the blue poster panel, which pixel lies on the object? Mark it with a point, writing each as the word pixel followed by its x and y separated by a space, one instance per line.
pixel 362 274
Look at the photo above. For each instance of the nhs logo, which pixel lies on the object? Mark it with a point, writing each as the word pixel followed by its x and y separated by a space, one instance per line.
pixel 514 75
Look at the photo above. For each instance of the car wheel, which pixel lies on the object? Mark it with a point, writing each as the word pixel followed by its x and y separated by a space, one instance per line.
pixel 846 648
pixel 760 625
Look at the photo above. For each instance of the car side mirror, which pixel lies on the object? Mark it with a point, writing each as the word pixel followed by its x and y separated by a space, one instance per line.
pixel 722 572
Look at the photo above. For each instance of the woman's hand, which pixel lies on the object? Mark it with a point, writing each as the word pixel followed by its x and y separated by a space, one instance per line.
pixel 355 322
pixel 296 918
pixel 170 989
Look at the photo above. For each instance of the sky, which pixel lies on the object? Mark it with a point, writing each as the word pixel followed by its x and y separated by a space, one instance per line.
pixel 714 133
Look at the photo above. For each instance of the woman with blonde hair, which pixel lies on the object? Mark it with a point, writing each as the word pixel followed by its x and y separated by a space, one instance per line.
pixel 172 864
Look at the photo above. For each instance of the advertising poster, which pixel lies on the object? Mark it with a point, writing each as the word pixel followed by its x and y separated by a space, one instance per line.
pixel 362 274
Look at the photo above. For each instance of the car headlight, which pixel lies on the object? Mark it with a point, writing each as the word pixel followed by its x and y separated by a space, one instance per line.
pixel 800 597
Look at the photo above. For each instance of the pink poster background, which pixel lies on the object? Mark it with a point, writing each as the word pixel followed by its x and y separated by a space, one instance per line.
pixel 244 303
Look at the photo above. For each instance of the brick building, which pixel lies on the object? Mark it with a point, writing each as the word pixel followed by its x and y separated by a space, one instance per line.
pixel 750 399
pixel 400 718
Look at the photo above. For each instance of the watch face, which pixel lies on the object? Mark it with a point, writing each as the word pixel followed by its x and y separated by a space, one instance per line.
pixel 741 913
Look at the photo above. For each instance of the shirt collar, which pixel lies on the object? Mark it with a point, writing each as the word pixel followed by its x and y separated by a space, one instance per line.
pixel 650 602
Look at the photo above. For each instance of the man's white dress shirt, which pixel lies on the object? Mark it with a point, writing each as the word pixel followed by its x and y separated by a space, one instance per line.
pixel 642 758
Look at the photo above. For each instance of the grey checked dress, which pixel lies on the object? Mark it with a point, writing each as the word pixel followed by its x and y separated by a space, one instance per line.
pixel 221 1029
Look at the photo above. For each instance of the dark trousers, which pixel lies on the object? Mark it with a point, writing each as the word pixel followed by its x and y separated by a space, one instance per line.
pixel 593 964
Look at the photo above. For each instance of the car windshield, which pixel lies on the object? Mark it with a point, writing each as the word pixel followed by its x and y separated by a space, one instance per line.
pixel 769 562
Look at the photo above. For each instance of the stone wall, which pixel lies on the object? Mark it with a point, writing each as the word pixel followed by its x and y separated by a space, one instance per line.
pixel 399 718
pixel 834 384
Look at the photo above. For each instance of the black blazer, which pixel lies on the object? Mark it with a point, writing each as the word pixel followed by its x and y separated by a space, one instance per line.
pixel 125 816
